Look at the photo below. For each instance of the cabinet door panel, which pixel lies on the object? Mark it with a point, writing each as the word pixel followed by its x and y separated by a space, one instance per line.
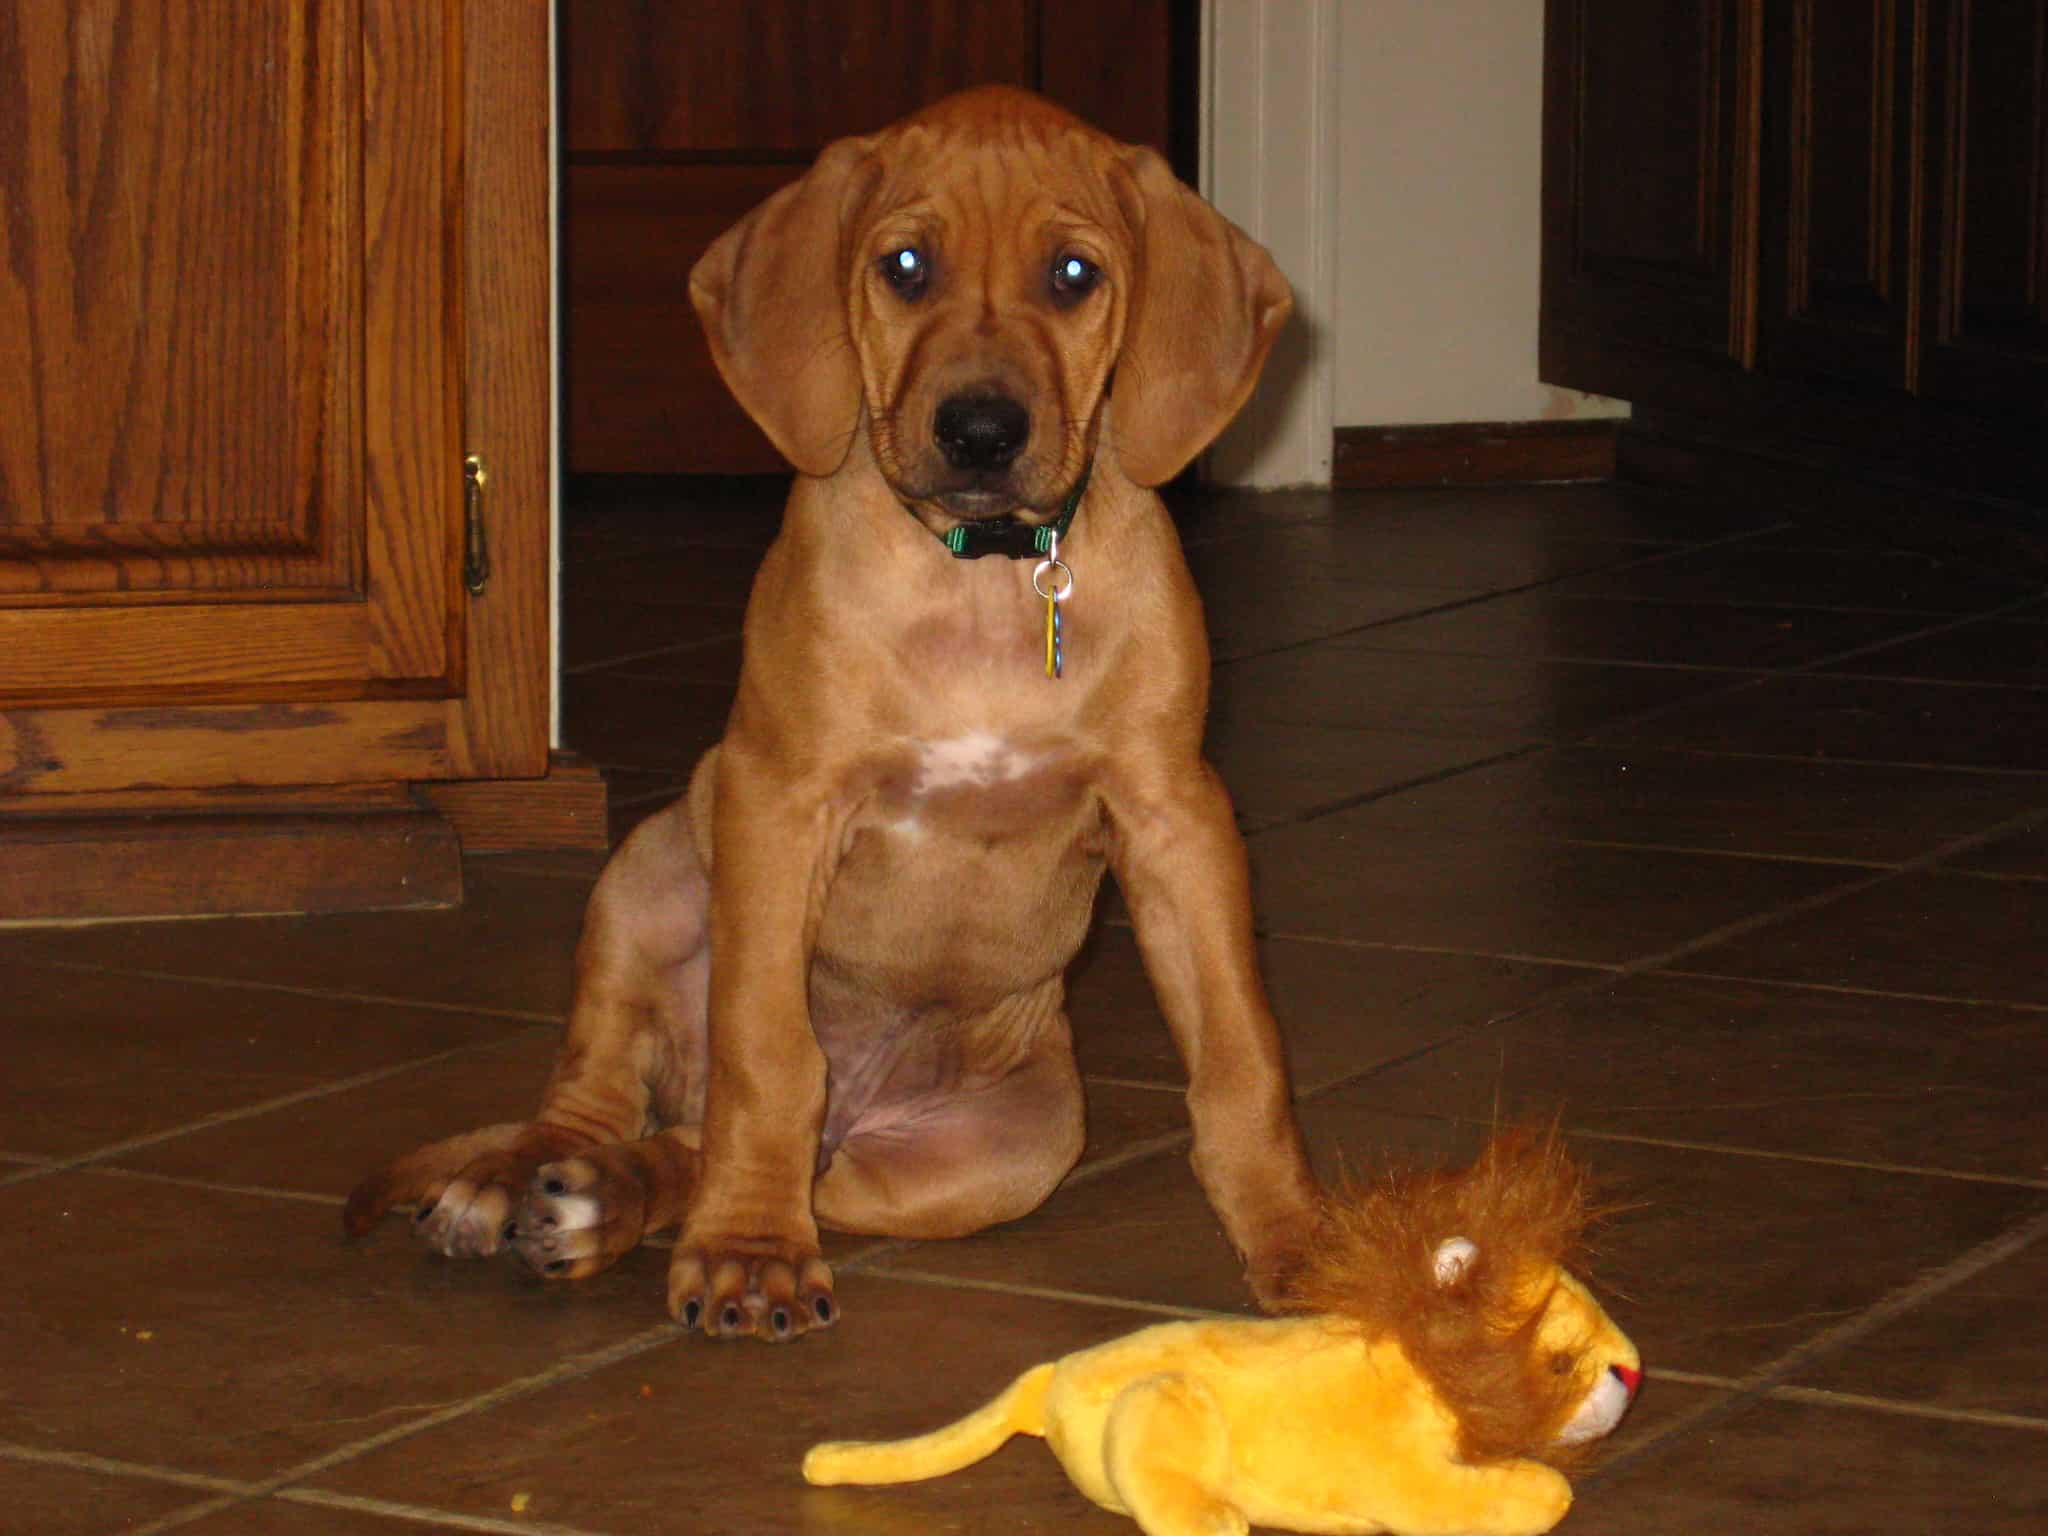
pixel 1839 280
pixel 1987 169
pixel 228 300
pixel 1644 169
pixel 336 262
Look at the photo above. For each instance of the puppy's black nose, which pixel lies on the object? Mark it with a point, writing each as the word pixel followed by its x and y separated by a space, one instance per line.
pixel 981 431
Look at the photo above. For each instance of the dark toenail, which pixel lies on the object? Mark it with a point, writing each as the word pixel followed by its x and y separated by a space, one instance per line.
pixel 555 1187
pixel 823 1308
pixel 511 1231
pixel 558 1266
pixel 692 1310
pixel 779 1321
pixel 730 1317
pixel 426 1209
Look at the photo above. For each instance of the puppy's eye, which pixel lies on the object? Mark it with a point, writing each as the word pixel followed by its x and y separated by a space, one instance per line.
pixel 906 271
pixel 1074 277
pixel 1563 1363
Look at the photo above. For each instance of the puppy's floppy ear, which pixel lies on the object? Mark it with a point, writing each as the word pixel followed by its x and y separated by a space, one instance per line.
pixel 1202 316
pixel 771 295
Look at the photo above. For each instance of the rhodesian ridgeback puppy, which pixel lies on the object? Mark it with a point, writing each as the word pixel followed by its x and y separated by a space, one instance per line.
pixel 827 986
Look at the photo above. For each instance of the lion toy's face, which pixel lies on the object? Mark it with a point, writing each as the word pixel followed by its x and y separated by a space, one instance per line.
pixel 1465 1272
pixel 1575 1339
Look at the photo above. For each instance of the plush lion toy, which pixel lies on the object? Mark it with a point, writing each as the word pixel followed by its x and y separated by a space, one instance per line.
pixel 1442 1356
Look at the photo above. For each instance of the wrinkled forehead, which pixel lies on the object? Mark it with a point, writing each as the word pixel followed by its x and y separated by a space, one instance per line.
pixel 994 182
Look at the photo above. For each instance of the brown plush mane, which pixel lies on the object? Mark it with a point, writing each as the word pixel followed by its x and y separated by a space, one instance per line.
pixel 1524 1204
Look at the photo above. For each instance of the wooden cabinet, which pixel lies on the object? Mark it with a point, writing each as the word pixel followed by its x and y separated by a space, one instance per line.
pixel 1818 227
pixel 273 274
pixel 681 116
pixel 1985 169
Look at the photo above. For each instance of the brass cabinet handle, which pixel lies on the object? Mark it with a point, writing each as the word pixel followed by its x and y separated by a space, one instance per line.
pixel 476 548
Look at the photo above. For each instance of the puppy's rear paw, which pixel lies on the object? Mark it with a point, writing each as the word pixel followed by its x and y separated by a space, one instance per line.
pixel 463 1190
pixel 580 1215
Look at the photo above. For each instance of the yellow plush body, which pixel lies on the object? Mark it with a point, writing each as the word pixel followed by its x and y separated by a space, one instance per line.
pixel 1319 1423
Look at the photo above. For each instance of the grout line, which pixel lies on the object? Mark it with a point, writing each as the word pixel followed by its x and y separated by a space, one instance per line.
pixel 1513 956
pixel 326 994
pixel 218 1186
pixel 1926 632
pixel 1338 941
pixel 1836 893
pixel 1774 1155
pixel 268 1106
pixel 1492 1021
pixel 1823 1397
pixel 1661 554
pixel 1753 855
pixel 1748 678
pixel 938 1281
pixel 1136 1152
pixel 1139 1151
pixel 1692 1378
pixel 1916 681
pixel 1420 781
pixel 1906 1298
pixel 1140 1084
pixel 86 1461
pixel 1605 732
pixel 574 1368
pixel 1598 738
pixel 1839 990
pixel 2000 876
pixel 445 1519
pixel 1988 1418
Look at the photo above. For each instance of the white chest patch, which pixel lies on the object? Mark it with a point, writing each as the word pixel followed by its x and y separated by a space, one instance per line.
pixel 974 761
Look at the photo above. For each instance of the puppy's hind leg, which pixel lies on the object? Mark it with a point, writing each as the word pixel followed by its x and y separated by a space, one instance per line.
pixel 635 1034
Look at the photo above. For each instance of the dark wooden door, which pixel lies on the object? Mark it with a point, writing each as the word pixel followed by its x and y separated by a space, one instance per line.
pixel 1986 169
pixel 680 115
pixel 1840 268
pixel 1649 259
pixel 271 272
pixel 1807 231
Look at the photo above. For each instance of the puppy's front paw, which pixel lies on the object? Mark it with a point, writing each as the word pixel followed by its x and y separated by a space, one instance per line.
pixel 1273 1264
pixel 771 1289
pixel 580 1215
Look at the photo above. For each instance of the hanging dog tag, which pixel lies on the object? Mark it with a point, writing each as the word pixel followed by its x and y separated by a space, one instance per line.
pixel 1052 580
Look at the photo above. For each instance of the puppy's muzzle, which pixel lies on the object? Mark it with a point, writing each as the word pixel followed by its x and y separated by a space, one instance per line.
pixel 980 433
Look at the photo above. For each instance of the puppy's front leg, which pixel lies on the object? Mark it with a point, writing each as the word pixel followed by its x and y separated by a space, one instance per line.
pixel 747 1260
pixel 1180 863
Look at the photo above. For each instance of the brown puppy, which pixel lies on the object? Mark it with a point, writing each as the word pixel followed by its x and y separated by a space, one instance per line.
pixel 827 986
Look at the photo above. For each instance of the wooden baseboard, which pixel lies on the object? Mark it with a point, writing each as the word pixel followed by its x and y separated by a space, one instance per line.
pixel 1473 453
pixel 201 856
pixel 563 811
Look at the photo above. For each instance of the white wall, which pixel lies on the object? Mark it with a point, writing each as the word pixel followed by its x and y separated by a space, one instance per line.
pixel 1440 182
pixel 1422 274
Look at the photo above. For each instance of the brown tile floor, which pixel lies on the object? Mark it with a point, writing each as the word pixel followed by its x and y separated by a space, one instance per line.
pixel 1722 835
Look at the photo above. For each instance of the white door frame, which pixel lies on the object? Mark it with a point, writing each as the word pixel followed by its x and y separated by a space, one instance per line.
pixel 1269 147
